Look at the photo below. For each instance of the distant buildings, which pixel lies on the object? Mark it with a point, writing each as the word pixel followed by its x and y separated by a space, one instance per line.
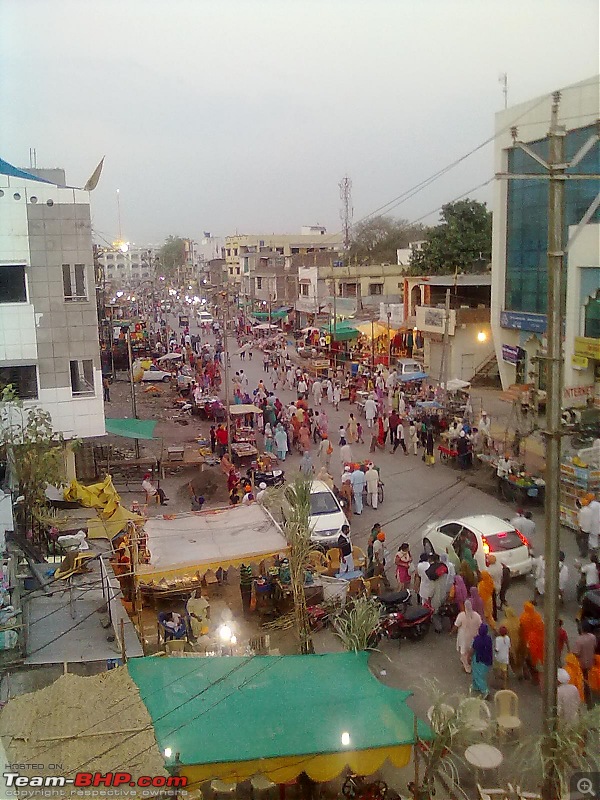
pixel 126 265
pixel 48 323
pixel 520 237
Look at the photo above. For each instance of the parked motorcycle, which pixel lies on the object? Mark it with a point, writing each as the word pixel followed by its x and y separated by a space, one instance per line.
pixel 412 623
pixel 275 477
pixel 394 601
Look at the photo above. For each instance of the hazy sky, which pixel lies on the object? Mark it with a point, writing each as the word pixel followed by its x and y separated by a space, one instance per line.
pixel 225 115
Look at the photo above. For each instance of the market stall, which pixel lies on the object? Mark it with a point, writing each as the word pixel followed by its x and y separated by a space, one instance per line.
pixel 361 725
pixel 246 419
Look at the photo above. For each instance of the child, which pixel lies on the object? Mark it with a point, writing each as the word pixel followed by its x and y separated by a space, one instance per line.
pixel 502 651
pixel 403 561
pixel 359 433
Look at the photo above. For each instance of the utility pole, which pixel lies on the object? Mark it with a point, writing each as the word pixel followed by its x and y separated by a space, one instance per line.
pixel 389 317
pixel 556 176
pixel 503 80
pixel 132 387
pixel 346 211
pixel 444 360
pixel 137 598
pixel 226 354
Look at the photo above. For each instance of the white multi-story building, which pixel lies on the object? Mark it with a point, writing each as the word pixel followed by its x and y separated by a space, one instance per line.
pixel 520 242
pixel 126 264
pixel 49 346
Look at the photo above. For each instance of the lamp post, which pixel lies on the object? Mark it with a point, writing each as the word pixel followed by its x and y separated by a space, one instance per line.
pixel 132 386
pixel 389 317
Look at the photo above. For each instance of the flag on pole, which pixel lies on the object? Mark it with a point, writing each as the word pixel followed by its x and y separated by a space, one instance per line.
pixel 92 181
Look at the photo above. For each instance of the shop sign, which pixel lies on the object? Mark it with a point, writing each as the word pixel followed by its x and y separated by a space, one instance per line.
pixel 579 361
pixel 511 354
pixel 590 348
pixel 523 321
pixel 577 395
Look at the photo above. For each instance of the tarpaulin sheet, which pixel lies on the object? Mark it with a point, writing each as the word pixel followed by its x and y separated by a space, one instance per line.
pixel 131 428
pixel 294 723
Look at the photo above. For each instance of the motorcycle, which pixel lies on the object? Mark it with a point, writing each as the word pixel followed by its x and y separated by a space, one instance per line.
pixel 275 477
pixel 413 623
pixel 394 601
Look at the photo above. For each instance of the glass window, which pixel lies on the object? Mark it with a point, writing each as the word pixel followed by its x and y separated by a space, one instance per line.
pixel 259 283
pixel 74 282
pixel 82 377
pixel 592 318
pixel 376 288
pixel 22 379
pixel 12 283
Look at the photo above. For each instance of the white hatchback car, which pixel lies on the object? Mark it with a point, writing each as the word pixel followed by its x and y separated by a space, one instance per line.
pixel 326 515
pixel 156 374
pixel 484 533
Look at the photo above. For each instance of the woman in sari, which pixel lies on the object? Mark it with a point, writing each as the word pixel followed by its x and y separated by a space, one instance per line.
pixel 460 592
pixel 485 588
pixel 351 429
pixel 482 658
pixel 573 667
pixel 517 645
pixel 476 602
pixel 281 442
pixel 532 633
pixel 466 625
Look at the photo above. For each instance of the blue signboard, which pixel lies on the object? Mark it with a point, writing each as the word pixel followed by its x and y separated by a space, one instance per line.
pixel 522 321
pixel 511 354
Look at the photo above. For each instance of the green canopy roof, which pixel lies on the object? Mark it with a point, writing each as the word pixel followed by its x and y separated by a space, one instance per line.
pixel 342 331
pixel 276 313
pixel 131 428
pixel 216 710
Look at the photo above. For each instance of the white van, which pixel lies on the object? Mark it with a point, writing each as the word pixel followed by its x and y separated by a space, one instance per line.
pixel 408 366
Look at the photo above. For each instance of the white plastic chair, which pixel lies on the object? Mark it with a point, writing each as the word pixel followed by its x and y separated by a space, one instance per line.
pixel 506 709
pixel 476 714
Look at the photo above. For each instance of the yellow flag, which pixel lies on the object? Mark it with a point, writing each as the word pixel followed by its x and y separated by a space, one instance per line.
pixel 92 181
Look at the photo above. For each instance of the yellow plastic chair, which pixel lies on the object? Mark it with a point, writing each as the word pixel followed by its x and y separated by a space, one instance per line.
pixel 333 560
pixel 317 561
pixel 506 710
pixel 359 557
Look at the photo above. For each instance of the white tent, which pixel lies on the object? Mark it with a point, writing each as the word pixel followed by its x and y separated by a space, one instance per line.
pixel 191 544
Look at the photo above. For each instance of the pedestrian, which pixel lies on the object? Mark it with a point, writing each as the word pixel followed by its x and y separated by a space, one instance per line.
pixel 222 440
pixel 413 437
pixel 568 701
pixel 563 576
pixel 594 504
pixel 371 540
pixel 466 625
pixel 351 429
pixel 539 577
pixel 152 490
pixel 524 523
pixel 358 485
pixel 379 559
pixel 262 490
pixel 370 411
pixel 281 442
pixel 337 396
pixel 325 452
pixel 346 491
pixel 317 390
pixel 246 582
pixel 494 568
pixel 429 448
pixel 425 584
pixel 345 547
pixel 302 389
pixel 345 452
pixel 400 439
pixel 394 421
pixel 502 653
pixel 341 434
pixel 359 433
pixel 213 439
pixel 106 389
pixel 584 647
pixel 372 481
pixel 482 658
pixel 403 563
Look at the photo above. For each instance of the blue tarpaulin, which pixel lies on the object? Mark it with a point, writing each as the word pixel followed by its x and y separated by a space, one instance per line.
pixel 413 376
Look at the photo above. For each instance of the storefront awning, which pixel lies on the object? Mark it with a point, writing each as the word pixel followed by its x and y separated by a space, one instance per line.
pixel 131 428
pixel 413 376
pixel 341 332
pixel 276 313
pixel 360 725
pixel 244 408
pixel 376 329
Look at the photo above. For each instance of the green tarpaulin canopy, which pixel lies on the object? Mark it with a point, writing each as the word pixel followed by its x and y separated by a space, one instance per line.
pixel 275 715
pixel 131 428
pixel 276 313
pixel 342 331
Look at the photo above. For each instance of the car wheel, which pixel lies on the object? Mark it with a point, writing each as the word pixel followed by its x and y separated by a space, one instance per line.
pixel 166 379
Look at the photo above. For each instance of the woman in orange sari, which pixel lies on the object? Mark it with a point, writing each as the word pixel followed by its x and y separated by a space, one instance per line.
pixel 575 673
pixel 485 587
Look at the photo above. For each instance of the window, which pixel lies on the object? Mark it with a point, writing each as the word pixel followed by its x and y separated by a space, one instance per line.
pixel 237 270
pixel 74 282
pixel 259 283
pixel 228 251
pixel 304 287
pixel 109 257
pixel 22 379
pixel 82 377
pixel 376 288
pixel 592 318
pixel 12 284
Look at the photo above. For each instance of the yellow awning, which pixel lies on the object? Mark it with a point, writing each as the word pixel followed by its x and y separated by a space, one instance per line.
pixel 377 329
pixel 318 767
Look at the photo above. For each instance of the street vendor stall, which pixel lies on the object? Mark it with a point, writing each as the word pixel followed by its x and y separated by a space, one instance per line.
pixel 247 417
pixel 361 725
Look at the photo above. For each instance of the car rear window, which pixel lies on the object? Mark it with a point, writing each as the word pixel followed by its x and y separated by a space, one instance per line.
pixel 506 540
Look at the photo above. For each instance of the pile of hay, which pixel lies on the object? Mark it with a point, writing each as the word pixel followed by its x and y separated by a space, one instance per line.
pixel 88 716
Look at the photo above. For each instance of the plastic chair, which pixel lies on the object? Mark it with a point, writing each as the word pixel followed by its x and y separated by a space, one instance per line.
pixel 318 562
pixel 260 783
pixel 438 715
pixel 506 709
pixel 152 498
pixel 475 714
pixel 223 788
pixel 168 634
pixel 333 560
pixel 359 557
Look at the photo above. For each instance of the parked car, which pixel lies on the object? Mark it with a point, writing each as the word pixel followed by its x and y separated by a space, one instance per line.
pixel 484 534
pixel 205 318
pixel 326 515
pixel 156 374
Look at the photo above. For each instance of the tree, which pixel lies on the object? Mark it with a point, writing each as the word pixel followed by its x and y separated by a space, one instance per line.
pixel 172 255
pixel 463 241
pixel 376 240
pixel 34 451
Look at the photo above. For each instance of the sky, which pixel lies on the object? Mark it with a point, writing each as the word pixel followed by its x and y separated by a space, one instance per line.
pixel 243 115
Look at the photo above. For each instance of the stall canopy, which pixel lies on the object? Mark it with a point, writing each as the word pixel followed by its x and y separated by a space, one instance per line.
pixel 244 408
pixel 293 723
pixel 413 376
pixel 342 331
pixel 131 428
pixel 111 517
pixel 376 329
pixel 189 545
pixel 456 384
pixel 276 313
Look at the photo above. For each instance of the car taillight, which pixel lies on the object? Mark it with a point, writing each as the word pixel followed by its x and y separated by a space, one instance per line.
pixel 523 538
pixel 486 545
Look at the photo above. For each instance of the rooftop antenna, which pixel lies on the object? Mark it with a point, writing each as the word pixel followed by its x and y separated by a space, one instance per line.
pixel 346 211
pixel 32 158
pixel 503 81
pixel 119 213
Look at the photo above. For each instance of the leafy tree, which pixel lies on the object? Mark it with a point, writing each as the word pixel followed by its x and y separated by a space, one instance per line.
pixel 34 451
pixel 376 240
pixel 462 241
pixel 172 255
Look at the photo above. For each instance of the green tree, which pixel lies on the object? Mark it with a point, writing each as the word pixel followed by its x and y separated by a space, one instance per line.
pixel 376 240
pixel 172 255
pixel 34 451
pixel 462 241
